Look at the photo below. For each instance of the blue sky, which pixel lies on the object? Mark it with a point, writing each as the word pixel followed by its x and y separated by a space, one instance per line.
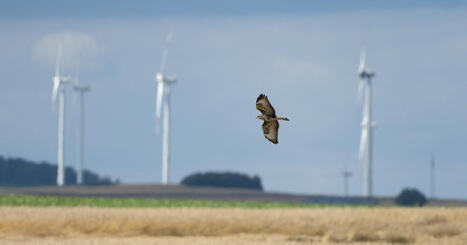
pixel 303 56
pixel 147 8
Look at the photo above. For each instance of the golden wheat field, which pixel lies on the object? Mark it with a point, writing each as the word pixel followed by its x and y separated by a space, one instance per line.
pixel 84 225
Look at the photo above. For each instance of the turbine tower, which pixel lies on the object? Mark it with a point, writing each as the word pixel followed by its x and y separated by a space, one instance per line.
pixel 163 100
pixel 346 175
pixel 432 177
pixel 366 140
pixel 59 88
pixel 81 89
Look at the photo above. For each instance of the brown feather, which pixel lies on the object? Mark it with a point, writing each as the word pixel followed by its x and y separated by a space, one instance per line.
pixel 263 105
pixel 271 131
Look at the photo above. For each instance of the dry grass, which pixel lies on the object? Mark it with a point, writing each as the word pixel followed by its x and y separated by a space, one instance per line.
pixel 52 225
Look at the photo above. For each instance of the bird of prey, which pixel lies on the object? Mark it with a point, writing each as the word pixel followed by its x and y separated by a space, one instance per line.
pixel 268 115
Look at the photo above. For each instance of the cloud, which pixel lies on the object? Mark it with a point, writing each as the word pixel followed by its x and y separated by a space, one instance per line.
pixel 77 47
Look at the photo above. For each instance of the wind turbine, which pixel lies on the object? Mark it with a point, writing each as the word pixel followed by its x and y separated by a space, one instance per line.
pixel 432 176
pixel 163 104
pixel 81 89
pixel 346 175
pixel 366 144
pixel 59 88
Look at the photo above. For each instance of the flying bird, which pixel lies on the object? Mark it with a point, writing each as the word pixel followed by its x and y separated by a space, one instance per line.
pixel 268 115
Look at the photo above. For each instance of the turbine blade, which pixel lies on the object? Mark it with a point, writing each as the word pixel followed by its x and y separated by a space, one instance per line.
pixel 59 57
pixel 56 79
pixel 363 142
pixel 362 64
pixel 76 82
pixel 55 88
pixel 166 52
pixel 77 70
pixel 365 128
pixel 160 93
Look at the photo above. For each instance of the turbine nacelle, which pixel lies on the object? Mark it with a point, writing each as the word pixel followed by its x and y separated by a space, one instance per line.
pixel 78 87
pixel 365 73
pixel 66 79
pixel 363 70
pixel 161 90
pixel 161 79
pixel 57 81
pixel 171 79
pixel 373 124
pixel 84 88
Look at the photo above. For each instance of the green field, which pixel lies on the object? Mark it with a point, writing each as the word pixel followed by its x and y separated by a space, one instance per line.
pixel 61 201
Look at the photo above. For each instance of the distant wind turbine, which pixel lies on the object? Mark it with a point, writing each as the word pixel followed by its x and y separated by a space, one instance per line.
pixel 163 103
pixel 59 89
pixel 346 175
pixel 81 89
pixel 366 140
pixel 432 177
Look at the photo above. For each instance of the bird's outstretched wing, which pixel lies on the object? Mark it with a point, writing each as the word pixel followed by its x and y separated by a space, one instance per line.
pixel 263 105
pixel 271 131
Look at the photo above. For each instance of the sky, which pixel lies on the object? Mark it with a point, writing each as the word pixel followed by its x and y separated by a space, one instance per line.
pixel 303 55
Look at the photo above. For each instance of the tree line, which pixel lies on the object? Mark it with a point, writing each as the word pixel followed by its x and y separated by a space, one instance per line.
pixel 223 179
pixel 21 172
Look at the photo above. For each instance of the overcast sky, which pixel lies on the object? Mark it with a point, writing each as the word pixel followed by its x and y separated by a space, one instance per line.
pixel 304 57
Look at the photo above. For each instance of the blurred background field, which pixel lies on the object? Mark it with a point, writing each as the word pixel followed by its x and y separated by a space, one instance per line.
pixel 54 225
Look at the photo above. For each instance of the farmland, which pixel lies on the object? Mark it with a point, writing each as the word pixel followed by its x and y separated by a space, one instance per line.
pixel 239 225
pixel 65 201
pixel 180 215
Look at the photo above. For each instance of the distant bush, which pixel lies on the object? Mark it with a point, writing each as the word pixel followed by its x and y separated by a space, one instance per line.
pixel 411 197
pixel 223 179
pixel 21 172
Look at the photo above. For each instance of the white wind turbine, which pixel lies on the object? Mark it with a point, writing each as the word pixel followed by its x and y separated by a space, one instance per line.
pixel 163 103
pixel 59 88
pixel 366 144
pixel 81 89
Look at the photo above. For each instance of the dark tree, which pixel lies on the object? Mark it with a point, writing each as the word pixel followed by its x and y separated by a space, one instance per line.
pixel 223 179
pixel 411 197
pixel 20 172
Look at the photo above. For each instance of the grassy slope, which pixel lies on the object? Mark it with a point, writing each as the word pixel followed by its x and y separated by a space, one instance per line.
pixel 23 200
